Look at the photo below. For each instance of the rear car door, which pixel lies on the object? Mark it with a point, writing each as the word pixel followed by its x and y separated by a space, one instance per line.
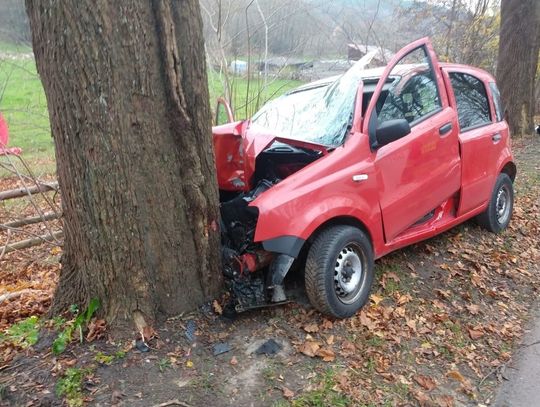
pixel 421 170
pixel 483 134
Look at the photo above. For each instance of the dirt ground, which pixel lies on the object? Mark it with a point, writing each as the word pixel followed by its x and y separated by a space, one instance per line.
pixel 444 318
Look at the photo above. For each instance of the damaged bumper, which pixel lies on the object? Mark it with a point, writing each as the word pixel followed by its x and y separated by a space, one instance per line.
pixel 250 162
pixel 288 245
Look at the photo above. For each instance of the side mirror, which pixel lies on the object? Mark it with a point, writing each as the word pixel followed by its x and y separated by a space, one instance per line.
pixel 391 130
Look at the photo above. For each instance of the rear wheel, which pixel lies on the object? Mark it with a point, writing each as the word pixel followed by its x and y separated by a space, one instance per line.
pixel 339 271
pixel 497 215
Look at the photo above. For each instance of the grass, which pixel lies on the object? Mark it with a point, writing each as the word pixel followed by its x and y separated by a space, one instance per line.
pixel 324 395
pixel 105 359
pixel 14 48
pixel 24 333
pixel 70 386
pixel 24 106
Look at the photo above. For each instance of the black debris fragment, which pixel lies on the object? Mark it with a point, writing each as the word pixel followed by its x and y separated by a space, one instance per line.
pixel 142 346
pixel 270 347
pixel 191 327
pixel 222 347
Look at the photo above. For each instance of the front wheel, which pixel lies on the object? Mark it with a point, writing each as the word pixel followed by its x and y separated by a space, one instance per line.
pixel 339 271
pixel 497 215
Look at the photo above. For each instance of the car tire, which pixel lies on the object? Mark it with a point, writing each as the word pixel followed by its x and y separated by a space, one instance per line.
pixel 498 213
pixel 339 271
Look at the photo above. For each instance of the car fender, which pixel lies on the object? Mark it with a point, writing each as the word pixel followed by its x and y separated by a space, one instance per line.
pixel 505 159
pixel 283 227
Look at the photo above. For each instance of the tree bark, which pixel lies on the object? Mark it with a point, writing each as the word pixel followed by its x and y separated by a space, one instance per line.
pixel 127 94
pixel 519 45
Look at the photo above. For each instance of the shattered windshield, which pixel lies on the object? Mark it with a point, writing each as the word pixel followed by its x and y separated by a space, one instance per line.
pixel 319 114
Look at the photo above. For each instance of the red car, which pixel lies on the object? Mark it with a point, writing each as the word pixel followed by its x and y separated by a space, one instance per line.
pixel 337 173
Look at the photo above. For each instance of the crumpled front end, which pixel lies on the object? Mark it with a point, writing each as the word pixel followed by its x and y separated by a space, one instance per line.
pixel 242 258
pixel 247 166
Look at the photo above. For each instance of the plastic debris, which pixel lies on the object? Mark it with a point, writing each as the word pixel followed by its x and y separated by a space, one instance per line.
pixel 222 347
pixel 142 346
pixel 191 327
pixel 270 347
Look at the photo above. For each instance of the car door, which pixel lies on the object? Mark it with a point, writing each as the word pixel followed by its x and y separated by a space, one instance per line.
pixel 419 171
pixel 483 135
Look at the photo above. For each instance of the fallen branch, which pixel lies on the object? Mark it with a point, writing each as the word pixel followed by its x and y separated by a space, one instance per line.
pixel 34 189
pixel 24 244
pixel 172 403
pixel 9 296
pixel 30 221
pixel 3 251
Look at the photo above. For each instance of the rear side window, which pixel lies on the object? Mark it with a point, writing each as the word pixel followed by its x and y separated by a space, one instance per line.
pixel 499 109
pixel 471 99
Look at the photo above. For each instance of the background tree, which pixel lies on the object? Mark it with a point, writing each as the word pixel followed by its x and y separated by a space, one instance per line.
pixel 462 31
pixel 517 64
pixel 127 95
pixel 13 22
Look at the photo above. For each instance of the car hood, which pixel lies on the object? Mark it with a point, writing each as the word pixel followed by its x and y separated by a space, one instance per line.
pixel 236 147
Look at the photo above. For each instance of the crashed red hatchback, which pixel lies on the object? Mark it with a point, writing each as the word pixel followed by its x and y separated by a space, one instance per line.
pixel 340 172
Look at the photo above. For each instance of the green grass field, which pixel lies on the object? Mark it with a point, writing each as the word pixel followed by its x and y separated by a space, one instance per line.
pixel 23 104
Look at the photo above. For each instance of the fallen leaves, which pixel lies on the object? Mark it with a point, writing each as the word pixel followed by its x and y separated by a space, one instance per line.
pixel 403 299
pixel 426 382
pixel 96 329
pixel 326 354
pixel 454 374
pixel 311 328
pixel 473 308
pixel 435 323
pixel 218 309
pixel 327 324
pixel 309 348
pixel 376 299
pixel 287 393
pixel 313 348
pixel 475 333
pixel 369 323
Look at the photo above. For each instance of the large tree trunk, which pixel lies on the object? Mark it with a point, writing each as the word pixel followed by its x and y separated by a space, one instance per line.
pixel 128 101
pixel 519 44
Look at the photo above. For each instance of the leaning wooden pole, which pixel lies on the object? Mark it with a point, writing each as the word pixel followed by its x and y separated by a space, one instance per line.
pixel 35 241
pixel 30 221
pixel 34 189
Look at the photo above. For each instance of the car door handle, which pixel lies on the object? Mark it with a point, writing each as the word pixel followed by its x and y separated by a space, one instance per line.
pixel 359 177
pixel 496 137
pixel 447 128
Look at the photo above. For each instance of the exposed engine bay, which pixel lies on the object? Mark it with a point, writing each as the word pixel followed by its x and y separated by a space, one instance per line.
pixel 255 276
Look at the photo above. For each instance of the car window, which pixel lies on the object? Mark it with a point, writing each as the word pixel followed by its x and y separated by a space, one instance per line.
pixel 471 99
pixel 414 95
pixel 499 109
